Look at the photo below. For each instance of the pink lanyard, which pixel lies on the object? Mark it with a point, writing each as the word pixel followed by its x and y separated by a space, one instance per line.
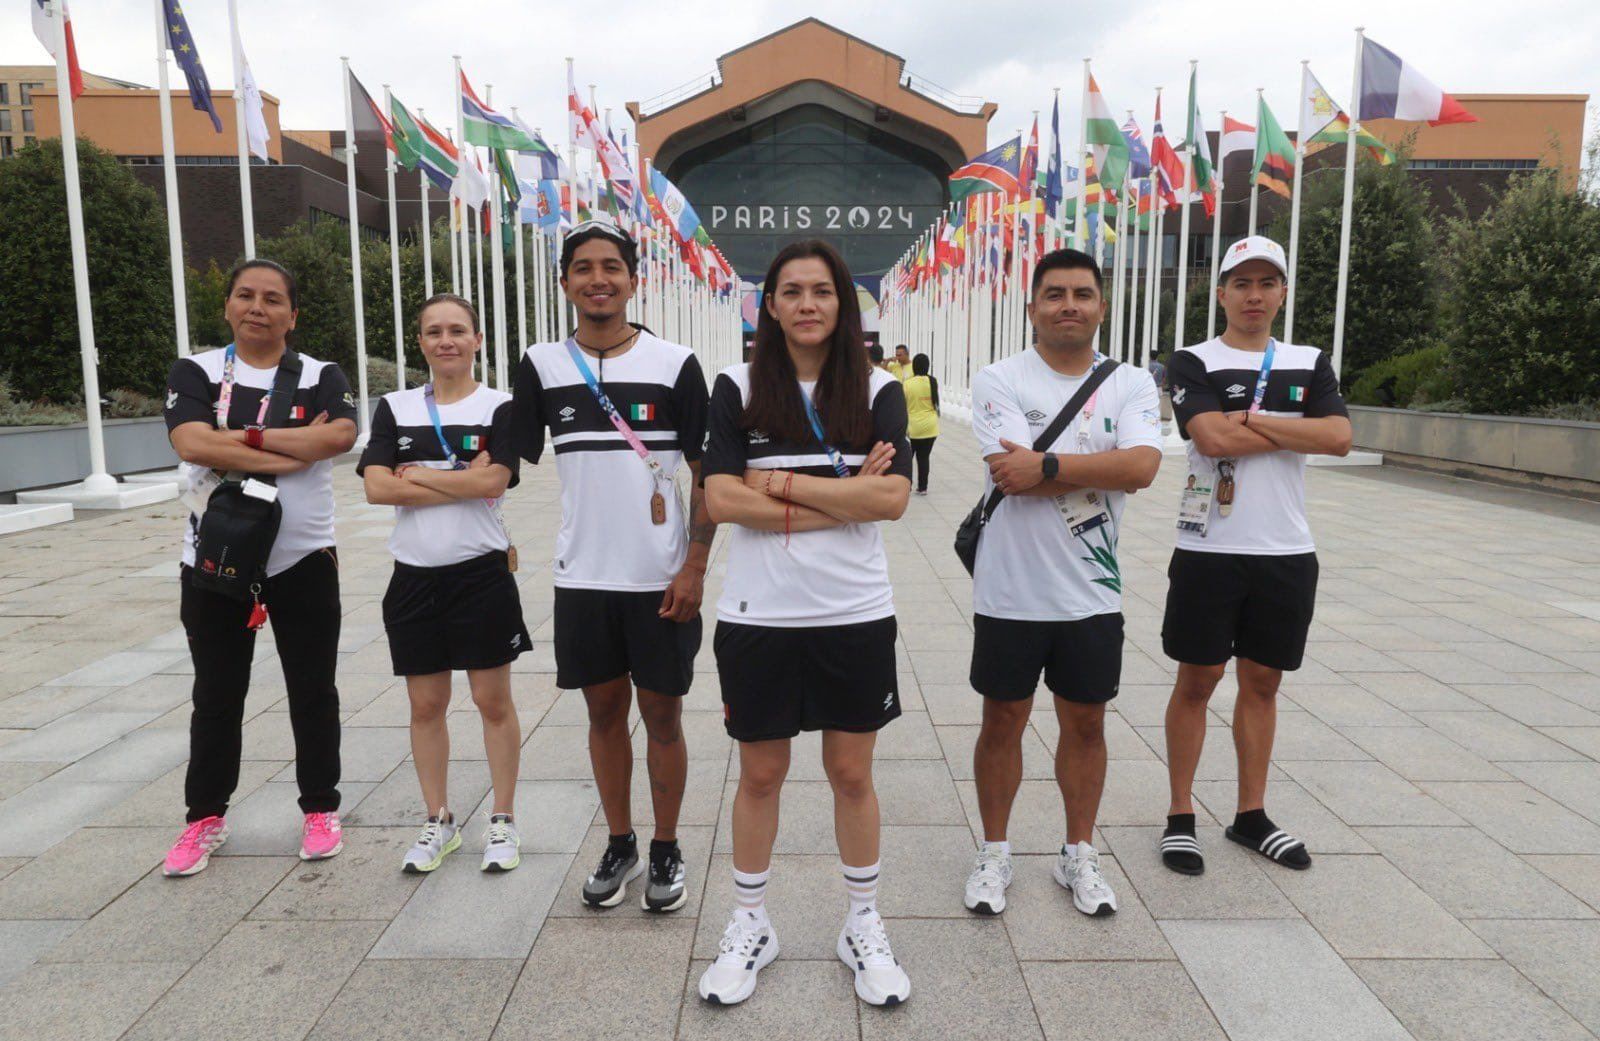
pixel 225 396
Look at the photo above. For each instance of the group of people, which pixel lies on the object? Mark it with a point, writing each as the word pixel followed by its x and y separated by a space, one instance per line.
pixel 801 452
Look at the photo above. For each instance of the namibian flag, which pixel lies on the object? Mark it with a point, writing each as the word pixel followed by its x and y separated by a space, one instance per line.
pixel 997 170
pixel 641 413
pixel 471 442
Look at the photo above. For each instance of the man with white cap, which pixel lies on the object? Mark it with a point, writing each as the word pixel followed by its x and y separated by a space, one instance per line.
pixel 1243 577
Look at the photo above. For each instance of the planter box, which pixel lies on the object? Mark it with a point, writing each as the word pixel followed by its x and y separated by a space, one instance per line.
pixel 1546 448
pixel 39 457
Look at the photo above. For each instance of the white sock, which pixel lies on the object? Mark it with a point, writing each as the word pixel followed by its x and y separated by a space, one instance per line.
pixel 861 884
pixel 1002 847
pixel 750 895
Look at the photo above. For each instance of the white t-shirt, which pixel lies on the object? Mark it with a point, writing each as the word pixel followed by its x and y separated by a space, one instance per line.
pixel 1030 566
pixel 835 576
pixel 1269 508
pixel 607 538
pixel 193 387
pixel 403 433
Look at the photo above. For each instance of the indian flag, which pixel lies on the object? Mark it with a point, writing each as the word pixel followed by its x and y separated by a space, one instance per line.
pixel 641 413
pixel 1105 138
pixel 1274 161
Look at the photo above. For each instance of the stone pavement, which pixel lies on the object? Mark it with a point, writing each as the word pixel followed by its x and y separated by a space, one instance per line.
pixel 1440 752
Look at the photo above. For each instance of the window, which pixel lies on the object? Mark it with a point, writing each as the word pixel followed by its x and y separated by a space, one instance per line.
pixel 28 141
pixel 1473 164
pixel 5 93
pixel 5 122
pixel 27 92
pixel 27 120
pixel 5 148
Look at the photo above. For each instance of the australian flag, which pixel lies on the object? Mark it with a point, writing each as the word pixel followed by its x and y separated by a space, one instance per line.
pixel 183 49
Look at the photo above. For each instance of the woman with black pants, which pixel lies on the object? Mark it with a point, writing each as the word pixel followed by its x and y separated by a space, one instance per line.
pixel 922 414
pixel 217 405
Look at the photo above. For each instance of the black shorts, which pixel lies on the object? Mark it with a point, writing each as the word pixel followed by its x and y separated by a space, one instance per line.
pixel 779 681
pixel 1226 605
pixel 602 634
pixel 1081 660
pixel 460 616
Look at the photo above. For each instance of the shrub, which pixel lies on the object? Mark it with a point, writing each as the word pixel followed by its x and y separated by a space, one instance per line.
pixel 1405 380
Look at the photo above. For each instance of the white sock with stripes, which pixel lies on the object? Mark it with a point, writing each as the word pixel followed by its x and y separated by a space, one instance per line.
pixel 861 884
pixel 750 894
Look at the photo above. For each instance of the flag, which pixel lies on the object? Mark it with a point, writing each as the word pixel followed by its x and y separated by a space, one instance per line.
pixel 1322 121
pixel 1273 165
pixel 255 111
pixel 470 184
pixel 641 413
pixel 1138 154
pixel 551 167
pixel 440 159
pixel 45 30
pixel 675 209
pixel 1052 172
pixel 1195 140
pixel 1166 161
pixel 1105 137
pixel 1028 171
pixel 1391 89
pixel 482 125
pixel 181 43
pixel 541 203
pixel 508 180
pixel 1237 136
pixel 406 134
pixel 579 118
pixel 997 170
pixel 368 117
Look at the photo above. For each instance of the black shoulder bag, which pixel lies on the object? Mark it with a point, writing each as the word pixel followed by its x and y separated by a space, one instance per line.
pixel 971 529
pixel 238 529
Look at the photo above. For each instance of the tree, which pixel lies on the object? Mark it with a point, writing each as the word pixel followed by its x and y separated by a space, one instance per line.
pixel 125 232
pixel 1392 306
pixel 1522 312
pixel 318 255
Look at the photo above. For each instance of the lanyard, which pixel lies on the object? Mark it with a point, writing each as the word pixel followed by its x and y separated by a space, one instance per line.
pixel 839 465
pixel 1261 381
pixel 616 417
pixel 225 395
pixel 1088 409
pixel 438 428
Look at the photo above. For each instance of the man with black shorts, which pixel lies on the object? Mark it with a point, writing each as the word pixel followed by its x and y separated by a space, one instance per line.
pixel 623 409
pixel 1244 574
pixel 1047 589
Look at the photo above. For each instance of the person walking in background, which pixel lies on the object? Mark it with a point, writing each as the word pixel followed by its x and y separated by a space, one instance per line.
pixel 922 412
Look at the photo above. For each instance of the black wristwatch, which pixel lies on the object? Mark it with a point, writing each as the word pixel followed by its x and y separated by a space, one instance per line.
pixel 1051 466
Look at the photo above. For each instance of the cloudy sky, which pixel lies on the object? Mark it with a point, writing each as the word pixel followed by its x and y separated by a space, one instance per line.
pixel 1007 53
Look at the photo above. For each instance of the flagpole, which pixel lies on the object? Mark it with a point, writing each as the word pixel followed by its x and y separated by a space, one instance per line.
pixel 1294 205
pixel 1080 220
pixel 458 207
pixel 1216 227
pixel 483 295
pixel 1255 196
pixel 1121 262
pixel 246 205
pixel 1130 311
pixel 1157 261
pixel 355 250
pixel 394 256
pixel 180 302
pixel 563 312
pixel 522 271
pixel 497 262
pixel 1182 295
pixel 427 218
pixel 541 266
pixel 1342 294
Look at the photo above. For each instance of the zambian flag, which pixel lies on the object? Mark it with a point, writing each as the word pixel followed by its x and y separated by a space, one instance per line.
pixel 641 413
pixel 1274 161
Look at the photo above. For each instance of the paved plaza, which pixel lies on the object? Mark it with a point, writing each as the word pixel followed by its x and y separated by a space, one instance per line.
pixel 1439 752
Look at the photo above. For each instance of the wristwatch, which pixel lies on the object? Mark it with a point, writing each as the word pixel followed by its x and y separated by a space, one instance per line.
pixel 1051 466
pixel 253 436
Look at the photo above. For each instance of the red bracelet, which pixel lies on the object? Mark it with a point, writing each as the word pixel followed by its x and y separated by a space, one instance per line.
pixel 766 489
pixel 788 510
pixel 788 484
pixel 254 437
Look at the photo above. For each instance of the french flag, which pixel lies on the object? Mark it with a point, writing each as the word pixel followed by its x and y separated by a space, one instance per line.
pixel 1392 89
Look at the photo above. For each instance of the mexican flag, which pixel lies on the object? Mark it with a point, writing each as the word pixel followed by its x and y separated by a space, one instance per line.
pixel 1273 168
pixel 1105 138
pixel 1195 138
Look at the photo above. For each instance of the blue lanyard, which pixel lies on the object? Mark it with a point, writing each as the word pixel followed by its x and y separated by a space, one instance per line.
pixel 1261 381
pixel 438 428
pixel 638 446
pixel 839 466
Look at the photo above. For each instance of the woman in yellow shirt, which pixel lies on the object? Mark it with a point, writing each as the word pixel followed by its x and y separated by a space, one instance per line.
pixel 922 410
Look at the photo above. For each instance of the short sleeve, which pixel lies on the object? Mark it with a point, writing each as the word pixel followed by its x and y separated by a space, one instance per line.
pixel 889 423
pixel 727 450
pixel 1139 425
pixel 527 410
pixel 1323 397
pixel 383 441
pixel 690 402
pixel 996 414
pixel 333 394
pixel 189 395
pixel 503 440
pixel 1192 392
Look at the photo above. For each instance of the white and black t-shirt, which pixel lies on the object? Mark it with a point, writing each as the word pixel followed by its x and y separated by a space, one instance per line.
pixel 1030 566
pixel 836 576
pixel 1269 507
pixel 194 386
pixel 607 538
pixel 403 434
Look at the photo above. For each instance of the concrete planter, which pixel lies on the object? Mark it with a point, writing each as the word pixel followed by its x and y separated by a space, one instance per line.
pixel 1544 448
pixel 39 457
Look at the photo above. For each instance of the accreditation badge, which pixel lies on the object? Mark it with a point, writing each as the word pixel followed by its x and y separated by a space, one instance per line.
pixel 1194 509
pixel 1083 511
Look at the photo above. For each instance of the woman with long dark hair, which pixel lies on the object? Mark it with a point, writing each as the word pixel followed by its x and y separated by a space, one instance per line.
pixel 807 451
pixel 922 409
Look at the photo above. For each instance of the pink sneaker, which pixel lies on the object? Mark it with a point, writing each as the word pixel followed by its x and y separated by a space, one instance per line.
pixel 190 854
pixel 323 837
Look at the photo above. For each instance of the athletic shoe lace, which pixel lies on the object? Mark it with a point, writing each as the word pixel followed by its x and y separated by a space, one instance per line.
pixel 432 832
pixel 611 862
pixel 738 942
pixel 872 941
pixel 664 869
pixel 196 836
pixel 990 869
pixel 499 833
pixel 320 824
pixel 1090 877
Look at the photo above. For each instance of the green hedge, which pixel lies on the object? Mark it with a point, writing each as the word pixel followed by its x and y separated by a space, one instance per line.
pixel 1406 380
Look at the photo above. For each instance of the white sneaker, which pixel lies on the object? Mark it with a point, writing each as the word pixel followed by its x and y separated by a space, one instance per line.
pixel 438 840
pixel 501 844
pixel 1078 869
pixel 864 947
pixel 990 878
pixel 744 950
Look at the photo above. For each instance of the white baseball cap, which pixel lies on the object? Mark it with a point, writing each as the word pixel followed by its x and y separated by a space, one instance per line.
pixel 1255 247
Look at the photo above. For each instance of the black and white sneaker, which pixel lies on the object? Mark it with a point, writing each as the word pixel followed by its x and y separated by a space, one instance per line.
pixel 665 890
pixel 619 865
pixel 747 946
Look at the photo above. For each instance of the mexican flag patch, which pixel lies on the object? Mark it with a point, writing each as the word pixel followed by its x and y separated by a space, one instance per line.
pixel 1110 426
pixel 641 413
pixel 1297 393
pixel 297 412
pixel 471 442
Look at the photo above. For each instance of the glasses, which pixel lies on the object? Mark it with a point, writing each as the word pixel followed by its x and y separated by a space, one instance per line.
pixel 604 227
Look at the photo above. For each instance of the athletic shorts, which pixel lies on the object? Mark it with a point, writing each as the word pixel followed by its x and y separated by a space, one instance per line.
pixel 460 616
pixel 1081 660
pixel 1228 605
pixel 779 681
pixel 602 634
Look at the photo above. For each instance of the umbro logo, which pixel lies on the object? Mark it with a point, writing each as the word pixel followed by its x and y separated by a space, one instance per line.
pixel 1035 416
pixel 1237 390
pixel 1178 394
pixel 172 398
pixel 404 443
pixel 567 414
pixel 759 437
